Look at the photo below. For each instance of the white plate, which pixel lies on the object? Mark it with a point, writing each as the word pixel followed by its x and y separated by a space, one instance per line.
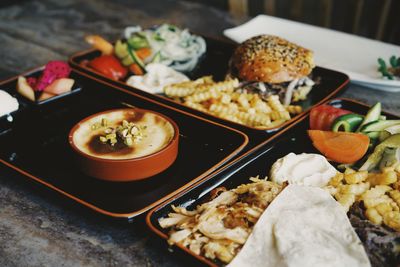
pixel 356 56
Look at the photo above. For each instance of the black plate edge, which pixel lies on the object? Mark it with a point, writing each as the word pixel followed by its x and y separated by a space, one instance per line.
pixel 235 166
pixel 97 76
pixel 128 216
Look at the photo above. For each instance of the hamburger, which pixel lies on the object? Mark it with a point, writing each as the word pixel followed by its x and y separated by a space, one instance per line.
pixel 273 65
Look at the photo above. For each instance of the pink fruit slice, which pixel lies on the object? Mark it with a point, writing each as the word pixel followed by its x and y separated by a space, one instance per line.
pixel 45 96
pixel 54 70
pixel 24 88
pixel 32 81
pixel 60 86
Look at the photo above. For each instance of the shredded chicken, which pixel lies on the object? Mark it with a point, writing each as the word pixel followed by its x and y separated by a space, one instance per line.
pixel 217 229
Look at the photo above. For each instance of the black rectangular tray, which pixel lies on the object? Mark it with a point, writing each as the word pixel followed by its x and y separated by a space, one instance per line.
pixel 215 62
pixel 35 144
pixel 292 139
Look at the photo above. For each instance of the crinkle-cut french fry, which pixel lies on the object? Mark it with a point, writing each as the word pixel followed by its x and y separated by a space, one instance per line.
pixel 383 208
pixel 204 80
pixel 332 190
pixel 356 177
pixel 346 200
pixel 396 185
pixel 260 105
pixel 372 202
pixel 294 109
pixel 243 102
pixel 225 99
pixel 385 178
pixel 253 119
pixel 195 106
pixel 348 171
pixel 280 115
pixel 397 167
pixel 203 96
pixel 231 117
pixel 275 104
pixel 220 99
pixel 273 124
pixel 373 215
pixel 337 179
pixel 194 84
pixel 224 86
pixel 223 109
pixel 172 91
pixel 392 219
pixel 356 189
pixel 376 192
pixel 395 195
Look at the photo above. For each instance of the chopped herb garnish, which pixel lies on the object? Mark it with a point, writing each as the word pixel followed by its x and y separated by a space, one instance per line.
pixel 127 132
pixel 392 71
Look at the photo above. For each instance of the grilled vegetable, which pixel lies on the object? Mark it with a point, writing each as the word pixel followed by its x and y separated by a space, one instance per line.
pixel 374 159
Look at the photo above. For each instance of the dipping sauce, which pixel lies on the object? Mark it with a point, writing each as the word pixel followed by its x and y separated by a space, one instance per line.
pixel 157 76
pixel 157 134
pixel 8 103
pixel 302 169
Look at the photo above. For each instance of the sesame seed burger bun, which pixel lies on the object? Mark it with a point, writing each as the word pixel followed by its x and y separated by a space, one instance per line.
pixel 271 59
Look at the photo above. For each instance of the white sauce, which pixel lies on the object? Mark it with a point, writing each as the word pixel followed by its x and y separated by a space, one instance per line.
pixel 303 169
pixel 8 103
pixel 303 226
pixel 157 76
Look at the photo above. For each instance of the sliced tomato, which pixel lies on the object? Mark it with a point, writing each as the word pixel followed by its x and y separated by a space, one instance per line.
pixel 341 147
pixel 109 66
pixel 322 117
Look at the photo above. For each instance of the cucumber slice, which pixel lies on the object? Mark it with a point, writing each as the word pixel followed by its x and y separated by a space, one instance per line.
pixel 374 126
pixel 121 49
pixel 156 58
pixel 373 115
pixel 126 61
pixel 135 57
pixel 373 135
pixel 137 42
pixel 347 122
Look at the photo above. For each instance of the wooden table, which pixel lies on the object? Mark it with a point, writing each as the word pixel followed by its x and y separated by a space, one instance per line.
pixel 39 228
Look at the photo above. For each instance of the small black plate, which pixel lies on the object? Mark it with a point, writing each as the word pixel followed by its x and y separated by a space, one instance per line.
pixel 215 62
pixel 36 145
pixel 25 105
pixel 292 139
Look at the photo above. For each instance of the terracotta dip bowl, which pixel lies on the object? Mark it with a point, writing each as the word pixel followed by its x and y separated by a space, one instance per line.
pixel 125 144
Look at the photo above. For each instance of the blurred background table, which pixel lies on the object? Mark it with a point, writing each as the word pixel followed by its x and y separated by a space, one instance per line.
pixel 38 228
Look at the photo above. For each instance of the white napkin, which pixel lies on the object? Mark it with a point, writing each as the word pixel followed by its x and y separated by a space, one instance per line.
pixel 356 56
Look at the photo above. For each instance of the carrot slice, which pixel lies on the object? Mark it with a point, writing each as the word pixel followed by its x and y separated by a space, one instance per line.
pixel 341 147
pixel 144 52
pixel 135 69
